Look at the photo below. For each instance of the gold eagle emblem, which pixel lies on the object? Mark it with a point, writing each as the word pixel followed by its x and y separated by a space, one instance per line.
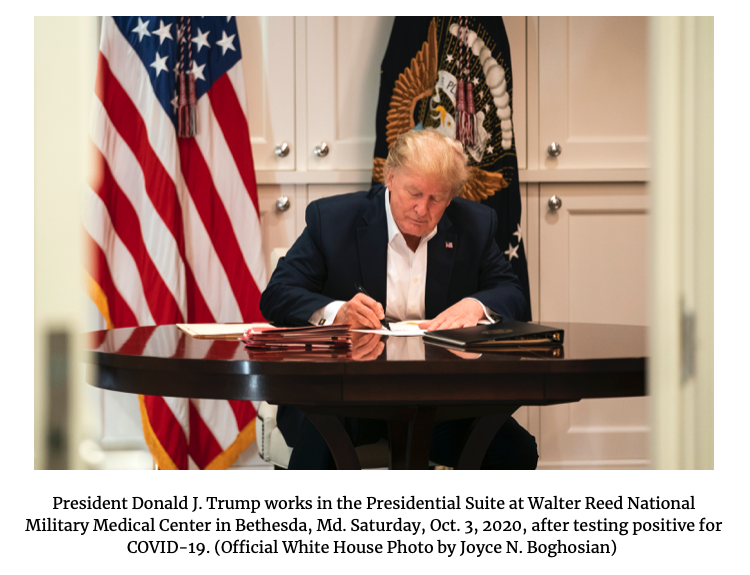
pixel 415 83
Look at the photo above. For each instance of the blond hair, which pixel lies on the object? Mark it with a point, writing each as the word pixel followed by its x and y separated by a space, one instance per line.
pixel 431 153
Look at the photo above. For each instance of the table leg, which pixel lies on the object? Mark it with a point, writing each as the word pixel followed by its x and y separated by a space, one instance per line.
pixel 398 433
pixel 482 432
pixel 410 440
pixel 419 439
pixel 337 439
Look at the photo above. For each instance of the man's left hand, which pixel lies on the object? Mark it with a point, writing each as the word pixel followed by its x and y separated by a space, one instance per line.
pixel 465 313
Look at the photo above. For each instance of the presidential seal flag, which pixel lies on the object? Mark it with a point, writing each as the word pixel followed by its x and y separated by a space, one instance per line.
pixel 172 222
pixel 453 75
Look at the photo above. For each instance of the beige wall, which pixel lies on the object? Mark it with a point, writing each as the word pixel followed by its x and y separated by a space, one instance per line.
pixel 64 60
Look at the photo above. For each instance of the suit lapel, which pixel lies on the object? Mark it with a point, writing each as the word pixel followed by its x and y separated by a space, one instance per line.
pixel 372 245
pixel 441 254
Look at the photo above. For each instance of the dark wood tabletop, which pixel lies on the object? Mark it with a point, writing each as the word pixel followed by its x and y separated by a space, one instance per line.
pixel 395 378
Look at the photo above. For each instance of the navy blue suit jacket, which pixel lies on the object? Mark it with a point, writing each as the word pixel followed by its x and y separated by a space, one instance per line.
pixel 346 242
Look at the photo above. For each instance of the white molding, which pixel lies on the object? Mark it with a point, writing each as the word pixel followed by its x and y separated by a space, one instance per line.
pixel 585 175
pixel 595 464
pixel 525 176
pixel 315 177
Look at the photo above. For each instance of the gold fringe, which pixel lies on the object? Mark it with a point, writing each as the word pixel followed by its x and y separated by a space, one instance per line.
pixel 158 452
pixel 96 294
pixel 378 170
pixel 227 457
pixel 222 461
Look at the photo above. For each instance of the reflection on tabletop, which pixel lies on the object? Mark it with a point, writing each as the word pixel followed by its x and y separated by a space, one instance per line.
pixel 582 342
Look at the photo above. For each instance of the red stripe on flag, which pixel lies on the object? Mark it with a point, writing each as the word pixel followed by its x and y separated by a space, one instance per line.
pixel 219 227
pixel 160 187
pixel 119 311
pixel 228 112
pixel 244 412
pixel 161 302
pixel 203 447
pixel 197 309
pixel 127 121
pixel 167 430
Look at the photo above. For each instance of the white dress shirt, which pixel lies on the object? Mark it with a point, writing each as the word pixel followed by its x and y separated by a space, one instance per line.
pixel 404 299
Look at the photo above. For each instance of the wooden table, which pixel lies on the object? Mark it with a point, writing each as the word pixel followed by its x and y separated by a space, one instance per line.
pixel 404 380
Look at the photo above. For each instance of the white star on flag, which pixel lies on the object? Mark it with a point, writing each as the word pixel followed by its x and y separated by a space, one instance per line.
pixel 163 32
pixel 160 64
pixel 511 252
pixel 202 39
pixel 449 57
pixel 197 71
pixel 490 149
pixel 475 81
pixel 175 101
pixel 226 42
pixel 142 29
pixel 518 233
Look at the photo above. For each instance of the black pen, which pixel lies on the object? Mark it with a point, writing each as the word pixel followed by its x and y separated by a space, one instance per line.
pixel 362 290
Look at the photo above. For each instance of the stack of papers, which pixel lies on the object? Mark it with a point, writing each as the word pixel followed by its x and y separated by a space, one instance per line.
pixel 323 339
pixel 218 330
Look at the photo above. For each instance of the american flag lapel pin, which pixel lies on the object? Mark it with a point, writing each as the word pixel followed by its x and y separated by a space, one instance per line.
pixel 448 245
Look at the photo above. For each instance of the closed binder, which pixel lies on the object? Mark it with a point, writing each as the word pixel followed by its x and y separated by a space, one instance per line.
pixel 510 333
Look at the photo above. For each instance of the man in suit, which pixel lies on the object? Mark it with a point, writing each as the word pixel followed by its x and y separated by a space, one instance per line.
pixel 420 249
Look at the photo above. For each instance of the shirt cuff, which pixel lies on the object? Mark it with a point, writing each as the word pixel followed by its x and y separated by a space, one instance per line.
pixel 490 315
pixel 326 315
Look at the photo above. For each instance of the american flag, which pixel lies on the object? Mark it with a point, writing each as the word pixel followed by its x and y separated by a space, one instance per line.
pixel 172 224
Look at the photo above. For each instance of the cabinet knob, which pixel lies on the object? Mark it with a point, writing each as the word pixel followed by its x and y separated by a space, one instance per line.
pixel 554 203
pixel 282 204
pixel 282 150
pixel 321 150
pixel 554 149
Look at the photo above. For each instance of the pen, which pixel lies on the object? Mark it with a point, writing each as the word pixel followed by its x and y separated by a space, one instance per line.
pixel 362 290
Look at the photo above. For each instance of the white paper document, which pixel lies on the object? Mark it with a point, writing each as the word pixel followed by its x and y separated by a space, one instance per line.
pixel 398 329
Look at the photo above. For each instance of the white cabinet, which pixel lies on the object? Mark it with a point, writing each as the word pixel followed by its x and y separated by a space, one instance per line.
pixel 282 216
pixel 593 92
pixel 593 253
pixel 588 92
pixel 593 269
pixel 268 67
pixel 344 55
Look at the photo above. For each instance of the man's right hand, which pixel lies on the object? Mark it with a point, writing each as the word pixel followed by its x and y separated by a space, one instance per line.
pixel 360 312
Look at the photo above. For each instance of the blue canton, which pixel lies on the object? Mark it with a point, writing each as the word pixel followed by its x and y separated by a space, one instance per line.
pixel 157 41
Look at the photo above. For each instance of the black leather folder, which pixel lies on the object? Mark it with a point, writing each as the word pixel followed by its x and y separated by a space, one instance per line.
pixel 507 333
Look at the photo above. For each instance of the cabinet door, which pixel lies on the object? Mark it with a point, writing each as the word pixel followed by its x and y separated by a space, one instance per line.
pixel 344 55
pixel 268 67
pixel 593 91
pixel 593 269
pixel 280 208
